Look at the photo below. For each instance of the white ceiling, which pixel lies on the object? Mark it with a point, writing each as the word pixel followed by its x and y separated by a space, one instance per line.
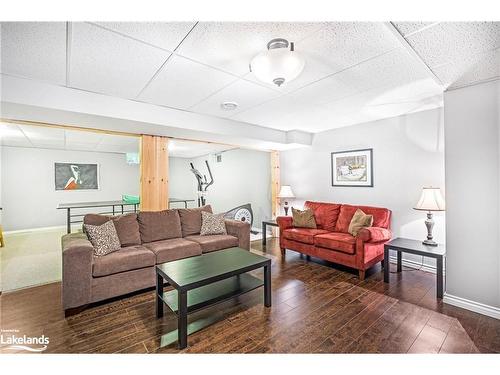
pixel 15 135
pixel 355 71
pixel 63 139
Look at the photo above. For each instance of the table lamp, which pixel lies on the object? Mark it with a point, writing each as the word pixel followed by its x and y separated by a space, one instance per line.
pixel 430 200
pixel 286 193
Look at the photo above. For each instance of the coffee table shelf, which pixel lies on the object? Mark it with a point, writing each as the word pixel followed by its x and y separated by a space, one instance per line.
pixel 214 293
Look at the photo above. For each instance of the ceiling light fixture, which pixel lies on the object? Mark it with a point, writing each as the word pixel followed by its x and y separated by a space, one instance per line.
pixel 279 64
pixel 229 106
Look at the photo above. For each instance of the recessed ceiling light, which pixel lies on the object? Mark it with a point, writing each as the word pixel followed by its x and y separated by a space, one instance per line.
pixel 228 106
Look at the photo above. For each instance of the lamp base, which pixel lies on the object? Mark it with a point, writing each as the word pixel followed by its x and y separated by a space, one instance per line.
pixel 429 223
pixel 429 243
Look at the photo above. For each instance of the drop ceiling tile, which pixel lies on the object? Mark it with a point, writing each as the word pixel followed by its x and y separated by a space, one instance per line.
pixel 35 50
pixel 395 68
pixel 105 62
pixel 269 113
pixel 183 83
pixel 165 35
pixel 406 28
pixel 455 41
pixel 246 94
pixel 325 90
pixel 11 135
pixel 231 46
pixel 40 136
pixel 340 45
pixel 488 67
pixel 395 99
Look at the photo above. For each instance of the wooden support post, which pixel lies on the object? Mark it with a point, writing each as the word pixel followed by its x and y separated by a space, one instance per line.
pixel 154 173
pixel 275 187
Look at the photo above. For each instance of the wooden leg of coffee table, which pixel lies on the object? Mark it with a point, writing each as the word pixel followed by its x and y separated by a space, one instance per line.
pixel 159 296
pixel 182 320
pixel 267 286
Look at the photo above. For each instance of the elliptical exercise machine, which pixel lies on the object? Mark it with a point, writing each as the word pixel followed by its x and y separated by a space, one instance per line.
pixel 203 183
pixel 241 213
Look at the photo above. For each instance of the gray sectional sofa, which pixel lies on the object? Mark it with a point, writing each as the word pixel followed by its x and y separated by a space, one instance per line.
pixel 147 239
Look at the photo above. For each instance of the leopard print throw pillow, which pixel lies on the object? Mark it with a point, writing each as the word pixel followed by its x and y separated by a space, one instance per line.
pixel 212 224
pixel 103 237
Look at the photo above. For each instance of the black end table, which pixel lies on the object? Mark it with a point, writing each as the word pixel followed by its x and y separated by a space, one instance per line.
pixel 272 223
pixel 205 280
pixel 405 245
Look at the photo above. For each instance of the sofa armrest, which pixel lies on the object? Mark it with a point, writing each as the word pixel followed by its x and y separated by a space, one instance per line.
pixel 77 254
pixel 241 230
pixel 284 222
pixel 374 234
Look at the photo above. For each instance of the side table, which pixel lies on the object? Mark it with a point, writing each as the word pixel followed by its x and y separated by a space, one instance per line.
pixel 405 245
pixel 265 223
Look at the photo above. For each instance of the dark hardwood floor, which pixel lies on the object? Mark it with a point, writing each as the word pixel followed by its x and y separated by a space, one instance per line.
pixel 317 308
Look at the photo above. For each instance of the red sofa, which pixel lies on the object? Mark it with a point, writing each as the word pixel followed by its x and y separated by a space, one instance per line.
pixel 331 240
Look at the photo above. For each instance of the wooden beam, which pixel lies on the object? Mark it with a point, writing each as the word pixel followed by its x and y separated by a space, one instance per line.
pixel 275 186
pixel 154 173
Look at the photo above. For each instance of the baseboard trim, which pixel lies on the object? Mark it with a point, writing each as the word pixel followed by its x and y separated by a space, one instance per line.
pixel 415 265
pixel 467 304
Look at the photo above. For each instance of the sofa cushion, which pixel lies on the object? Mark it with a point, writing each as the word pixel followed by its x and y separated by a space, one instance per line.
pixel 304 235
pixel 343 242
pixel 191 219
pixel 173 249
pixel 160 225
pixel 212 224
pixel 303 219
pixel 125 259
pixel 127 226
pixel 381 216
pixel 359 220
pixel 214 242
pixel 325 214
pixel 103 237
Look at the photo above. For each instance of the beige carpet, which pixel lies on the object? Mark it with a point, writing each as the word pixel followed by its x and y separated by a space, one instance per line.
pixel 30 258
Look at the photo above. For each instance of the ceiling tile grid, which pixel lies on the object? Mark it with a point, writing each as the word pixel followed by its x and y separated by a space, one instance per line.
pixel 408 28
pixel 105 62
pixel 245 94
pixel 183 83
pixel 35 50
pixel 340 45
pixel 166 35
pixel 457 43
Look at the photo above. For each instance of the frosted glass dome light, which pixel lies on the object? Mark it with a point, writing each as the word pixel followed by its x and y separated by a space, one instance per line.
pixel 279 64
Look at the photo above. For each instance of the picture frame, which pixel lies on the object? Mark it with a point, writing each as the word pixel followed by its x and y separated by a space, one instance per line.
pixel 76 176
pixel 352 168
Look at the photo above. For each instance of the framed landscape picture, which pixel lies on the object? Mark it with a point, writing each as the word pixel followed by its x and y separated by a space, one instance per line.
pixel 73 176
pixel 352 168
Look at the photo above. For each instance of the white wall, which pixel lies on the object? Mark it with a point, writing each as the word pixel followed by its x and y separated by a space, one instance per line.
pixel 29 195
pixel 407 155
pixel 473 202
pixel 243 176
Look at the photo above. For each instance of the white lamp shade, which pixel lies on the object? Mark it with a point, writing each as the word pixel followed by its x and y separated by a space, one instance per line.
pixel 430 200
pixel 286 192
pixel 277 63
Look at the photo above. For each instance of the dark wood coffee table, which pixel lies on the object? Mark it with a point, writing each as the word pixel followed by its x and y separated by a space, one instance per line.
pixel 205 280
